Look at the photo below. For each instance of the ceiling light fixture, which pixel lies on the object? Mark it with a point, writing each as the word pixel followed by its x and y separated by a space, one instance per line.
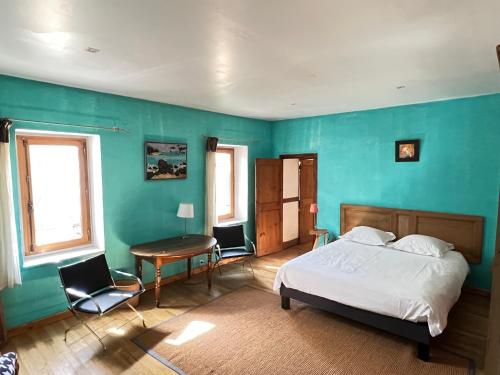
pixel 293 103
pixel 92 50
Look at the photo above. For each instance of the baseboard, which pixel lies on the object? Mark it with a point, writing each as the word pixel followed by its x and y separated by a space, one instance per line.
pixel 290 243
pixel 177 277
pixel 478 291
pixel 3 330
pixel 15 331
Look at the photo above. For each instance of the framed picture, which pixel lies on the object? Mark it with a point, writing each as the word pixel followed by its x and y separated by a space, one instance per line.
pixel 408 150
pixel 165 161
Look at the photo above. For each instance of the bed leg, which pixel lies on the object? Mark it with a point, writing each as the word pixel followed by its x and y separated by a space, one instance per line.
pixel 423 352
pixel 285 303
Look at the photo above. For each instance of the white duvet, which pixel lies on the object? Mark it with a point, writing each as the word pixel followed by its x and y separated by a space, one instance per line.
pixel 380 279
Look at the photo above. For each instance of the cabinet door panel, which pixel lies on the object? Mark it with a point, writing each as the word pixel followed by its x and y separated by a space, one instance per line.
pixel 268 201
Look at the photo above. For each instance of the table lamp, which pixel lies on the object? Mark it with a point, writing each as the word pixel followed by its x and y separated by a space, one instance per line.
pixel 185 211
pixel 314 210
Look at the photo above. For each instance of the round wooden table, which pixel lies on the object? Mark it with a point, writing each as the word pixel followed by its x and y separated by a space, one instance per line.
pixel 172 250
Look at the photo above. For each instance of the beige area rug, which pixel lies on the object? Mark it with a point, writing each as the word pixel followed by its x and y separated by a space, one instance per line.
pixel 247 332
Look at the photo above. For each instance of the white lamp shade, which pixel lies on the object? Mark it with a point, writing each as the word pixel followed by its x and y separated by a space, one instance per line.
pixel 185 210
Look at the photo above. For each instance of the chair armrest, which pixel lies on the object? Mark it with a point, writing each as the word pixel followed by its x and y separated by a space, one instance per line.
pixel 218 250
pixel 251 243
pixel 77 293
pixel 130 276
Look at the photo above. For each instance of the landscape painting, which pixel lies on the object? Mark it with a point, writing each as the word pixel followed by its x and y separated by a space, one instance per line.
pixel 165 161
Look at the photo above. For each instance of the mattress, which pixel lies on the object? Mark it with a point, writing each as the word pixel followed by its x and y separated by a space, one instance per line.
pixel 381 280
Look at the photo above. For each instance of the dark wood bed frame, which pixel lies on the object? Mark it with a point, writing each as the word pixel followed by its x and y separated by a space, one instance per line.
pixel 464 231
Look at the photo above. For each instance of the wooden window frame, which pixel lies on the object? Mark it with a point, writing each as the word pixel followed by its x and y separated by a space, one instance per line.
pixel 23 143
pixel 230 151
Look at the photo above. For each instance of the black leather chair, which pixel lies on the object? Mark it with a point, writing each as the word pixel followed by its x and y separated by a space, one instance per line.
pixel 90 289
pixel 232 243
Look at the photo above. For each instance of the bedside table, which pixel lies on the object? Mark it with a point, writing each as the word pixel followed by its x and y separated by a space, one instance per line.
pixel 318 233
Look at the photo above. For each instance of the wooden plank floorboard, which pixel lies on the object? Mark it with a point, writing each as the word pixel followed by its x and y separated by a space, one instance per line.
pixel 43 350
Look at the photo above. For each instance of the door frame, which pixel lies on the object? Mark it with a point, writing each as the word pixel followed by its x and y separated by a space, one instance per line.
pixel 305 156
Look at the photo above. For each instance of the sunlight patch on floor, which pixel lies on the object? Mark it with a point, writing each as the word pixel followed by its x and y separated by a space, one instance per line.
pixel 118 331
pixel 272 267
pixel 194 329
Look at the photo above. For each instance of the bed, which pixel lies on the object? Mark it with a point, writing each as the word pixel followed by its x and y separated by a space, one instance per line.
pixel 405 294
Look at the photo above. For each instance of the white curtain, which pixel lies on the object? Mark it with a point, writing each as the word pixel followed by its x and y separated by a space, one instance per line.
pixel 210 204
pixel 10 273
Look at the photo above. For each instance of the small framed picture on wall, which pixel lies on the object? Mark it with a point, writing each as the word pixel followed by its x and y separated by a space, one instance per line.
pixel 408 150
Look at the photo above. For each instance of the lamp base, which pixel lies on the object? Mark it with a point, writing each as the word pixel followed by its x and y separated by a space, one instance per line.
pixel 185 230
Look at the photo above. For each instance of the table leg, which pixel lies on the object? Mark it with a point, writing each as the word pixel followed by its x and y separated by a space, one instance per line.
pixel 189 267
pixel 209 269
pixel 138 267
pixel 315 242
pixel 157 286
pixel 325 239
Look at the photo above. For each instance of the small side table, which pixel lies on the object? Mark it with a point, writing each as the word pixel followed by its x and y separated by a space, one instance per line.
pixel 318 233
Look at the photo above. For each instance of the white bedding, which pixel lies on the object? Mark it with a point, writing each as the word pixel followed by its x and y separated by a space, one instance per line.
pixel 380 279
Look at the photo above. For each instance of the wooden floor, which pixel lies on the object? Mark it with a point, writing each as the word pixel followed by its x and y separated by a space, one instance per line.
pixel 467 328
pixel 43 351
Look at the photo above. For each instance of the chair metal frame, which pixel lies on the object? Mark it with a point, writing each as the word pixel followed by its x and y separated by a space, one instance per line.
pixel 84 296
pixel 218 253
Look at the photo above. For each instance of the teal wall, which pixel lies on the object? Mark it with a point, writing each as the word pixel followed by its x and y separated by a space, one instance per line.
pixel 135 210
pixel 459 168
pixel 458 171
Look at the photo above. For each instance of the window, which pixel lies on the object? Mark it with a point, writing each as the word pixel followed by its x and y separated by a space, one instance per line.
pixel 231 179
pixel 54 188
pixel 224 182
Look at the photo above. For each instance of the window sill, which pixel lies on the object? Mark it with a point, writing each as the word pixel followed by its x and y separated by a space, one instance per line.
pixel 232 221
pixel 59 256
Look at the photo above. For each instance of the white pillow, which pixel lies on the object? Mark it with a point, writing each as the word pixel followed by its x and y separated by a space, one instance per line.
pixel 423 245
pixel 369 236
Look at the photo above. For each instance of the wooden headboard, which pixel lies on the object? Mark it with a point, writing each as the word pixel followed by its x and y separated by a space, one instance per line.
pixel 464 231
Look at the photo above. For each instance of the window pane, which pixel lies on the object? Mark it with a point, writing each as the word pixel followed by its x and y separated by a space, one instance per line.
pixel 55 181
pixel 223 165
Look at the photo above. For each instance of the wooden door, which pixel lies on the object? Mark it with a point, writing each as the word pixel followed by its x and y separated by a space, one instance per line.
pixel 308 186
pixel 268 200
pixel 492 361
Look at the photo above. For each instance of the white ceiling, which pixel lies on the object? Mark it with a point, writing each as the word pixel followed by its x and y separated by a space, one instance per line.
pixel 269 59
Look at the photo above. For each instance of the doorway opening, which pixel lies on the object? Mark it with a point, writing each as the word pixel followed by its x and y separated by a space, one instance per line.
pixel 299 192
pixel 285 188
